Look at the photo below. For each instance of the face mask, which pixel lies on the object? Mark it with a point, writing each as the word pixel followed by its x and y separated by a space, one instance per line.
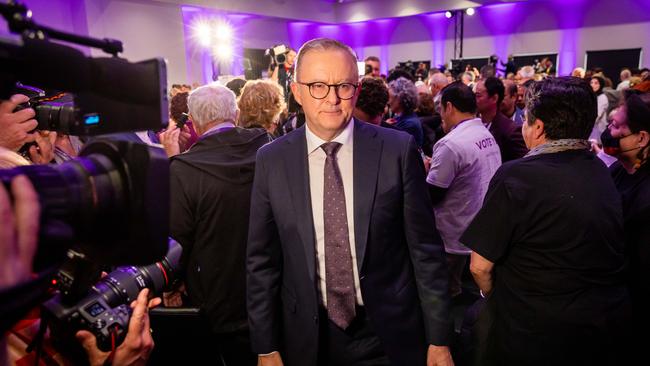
pixel 611 145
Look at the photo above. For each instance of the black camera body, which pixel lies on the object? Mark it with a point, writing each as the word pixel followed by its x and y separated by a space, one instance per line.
pixel 103 95
pixel 278 54
pixel 108 324
pixel 104 310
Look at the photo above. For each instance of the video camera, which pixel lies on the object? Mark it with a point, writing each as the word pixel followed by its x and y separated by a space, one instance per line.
pixel 108 94
pixel 109 206
pixel 278 54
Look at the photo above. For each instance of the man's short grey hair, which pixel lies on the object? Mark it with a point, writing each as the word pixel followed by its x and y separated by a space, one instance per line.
pixel 405 91
pixel 527 72
pixel 438 79
pixel 469 76
pixel 625 74
pixel 322 44
pixel 212 102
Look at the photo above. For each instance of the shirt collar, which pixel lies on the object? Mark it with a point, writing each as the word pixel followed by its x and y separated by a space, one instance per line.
pixel 221 126
pixel 467 122
pixel 314 142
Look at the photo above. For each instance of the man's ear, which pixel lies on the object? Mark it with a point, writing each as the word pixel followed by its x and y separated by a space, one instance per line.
pixel 644 138
pixel 445 107
pixel 296 92
pixel 538 128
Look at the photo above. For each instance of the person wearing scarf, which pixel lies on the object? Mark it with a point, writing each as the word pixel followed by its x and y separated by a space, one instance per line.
pixel 548 244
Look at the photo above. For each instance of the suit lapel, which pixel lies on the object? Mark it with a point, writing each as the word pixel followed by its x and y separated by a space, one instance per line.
pixel 366 158
pixel 297 174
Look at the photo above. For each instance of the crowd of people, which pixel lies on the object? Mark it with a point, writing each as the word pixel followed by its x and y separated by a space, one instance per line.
pixel 343 232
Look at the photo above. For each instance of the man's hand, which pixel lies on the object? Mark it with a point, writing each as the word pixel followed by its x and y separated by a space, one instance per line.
pixel 137 345
pixel 169 138
pixel 274 359
pixel 184 138
pixel 427 163
pixel 15 127
pixel 43 153
pixel 18 231
pixel 439 356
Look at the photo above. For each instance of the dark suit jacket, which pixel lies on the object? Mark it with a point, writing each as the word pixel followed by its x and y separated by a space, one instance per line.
pixel 400 255
pixel 432 129
pixel 508 135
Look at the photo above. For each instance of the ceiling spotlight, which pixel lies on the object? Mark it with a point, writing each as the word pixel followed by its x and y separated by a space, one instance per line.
pixel 470 11
pixel 448 14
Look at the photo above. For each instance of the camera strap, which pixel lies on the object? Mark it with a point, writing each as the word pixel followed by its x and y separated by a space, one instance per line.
pixel 37 342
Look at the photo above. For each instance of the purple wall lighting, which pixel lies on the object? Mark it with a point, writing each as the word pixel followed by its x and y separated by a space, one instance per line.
pixel 357 35
pixel 214 38
pixel 383 30
pixel 570 17
pixel 502 21
pixel 437 24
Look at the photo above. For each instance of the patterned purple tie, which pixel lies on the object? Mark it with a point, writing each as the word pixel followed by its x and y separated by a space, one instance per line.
pixel 339 277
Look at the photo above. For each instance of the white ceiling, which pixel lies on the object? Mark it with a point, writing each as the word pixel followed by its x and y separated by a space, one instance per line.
pixel 333 11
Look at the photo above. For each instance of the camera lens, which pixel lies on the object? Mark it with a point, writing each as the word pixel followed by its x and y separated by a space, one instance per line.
pixel 281 58
pixel 110 197
pixel 54 116
pixel 123 284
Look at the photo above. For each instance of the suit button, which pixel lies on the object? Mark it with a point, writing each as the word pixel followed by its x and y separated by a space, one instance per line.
pixel 316 319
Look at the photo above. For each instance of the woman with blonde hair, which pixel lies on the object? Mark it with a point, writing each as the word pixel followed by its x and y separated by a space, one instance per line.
pixel 261 103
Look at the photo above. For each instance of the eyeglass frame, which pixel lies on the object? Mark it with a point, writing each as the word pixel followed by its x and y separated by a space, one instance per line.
pixel 329 88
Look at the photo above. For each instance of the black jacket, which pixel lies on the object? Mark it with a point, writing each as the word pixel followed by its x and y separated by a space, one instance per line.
pixel 508 136
pixel 210 203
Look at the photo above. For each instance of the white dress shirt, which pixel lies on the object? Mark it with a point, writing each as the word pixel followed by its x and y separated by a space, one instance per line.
pixel 316 157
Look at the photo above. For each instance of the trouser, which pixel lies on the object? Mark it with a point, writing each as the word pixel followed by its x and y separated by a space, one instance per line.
pixel 357 345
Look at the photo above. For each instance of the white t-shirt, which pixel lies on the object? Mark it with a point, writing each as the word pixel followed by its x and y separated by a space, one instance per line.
pixel 463 162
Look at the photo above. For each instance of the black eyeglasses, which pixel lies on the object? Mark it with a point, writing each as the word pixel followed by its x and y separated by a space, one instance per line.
pixel 320 90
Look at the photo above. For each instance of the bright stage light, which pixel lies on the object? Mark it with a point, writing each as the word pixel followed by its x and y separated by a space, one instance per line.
pixel 202 33
pixel 470 11
pixel 448 14
pixel 222 52
pixel 223 32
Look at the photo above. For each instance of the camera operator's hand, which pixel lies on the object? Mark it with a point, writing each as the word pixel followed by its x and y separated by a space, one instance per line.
pixel 18 231
pixel 169 138
pixel 15 127
pixel 43 153
pixel 137 345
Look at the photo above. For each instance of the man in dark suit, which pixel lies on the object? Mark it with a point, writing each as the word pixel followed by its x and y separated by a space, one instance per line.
pixel 346 267
pixel 489 96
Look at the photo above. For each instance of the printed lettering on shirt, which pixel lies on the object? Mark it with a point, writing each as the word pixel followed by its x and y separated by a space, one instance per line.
pixel 485 143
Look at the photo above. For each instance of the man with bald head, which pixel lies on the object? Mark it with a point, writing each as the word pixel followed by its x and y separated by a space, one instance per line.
pixel 346 267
